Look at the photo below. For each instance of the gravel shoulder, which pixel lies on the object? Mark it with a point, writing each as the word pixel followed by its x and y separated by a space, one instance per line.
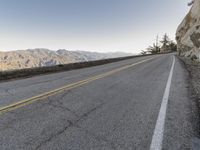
pixel 194 73
pixel 193 69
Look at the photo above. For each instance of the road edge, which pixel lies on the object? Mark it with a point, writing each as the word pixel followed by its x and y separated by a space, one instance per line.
pixel 28 73
pixel 194 92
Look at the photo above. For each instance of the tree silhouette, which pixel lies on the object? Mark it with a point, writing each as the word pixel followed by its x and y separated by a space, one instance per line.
pixel 172 46
pixel 153 49
pixel 165 43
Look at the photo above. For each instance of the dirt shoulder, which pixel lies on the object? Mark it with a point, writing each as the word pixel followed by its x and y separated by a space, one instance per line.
pixel 194 81
pixel 194 71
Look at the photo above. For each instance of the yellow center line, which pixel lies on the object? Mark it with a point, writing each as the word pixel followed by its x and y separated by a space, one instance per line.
pixel 65 88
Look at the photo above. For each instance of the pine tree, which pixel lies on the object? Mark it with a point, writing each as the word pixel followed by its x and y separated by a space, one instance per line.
pixel 153 49
pixel 173 46
pixel 165 43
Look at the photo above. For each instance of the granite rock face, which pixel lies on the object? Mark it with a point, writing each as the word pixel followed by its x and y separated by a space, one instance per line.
pixel 188 33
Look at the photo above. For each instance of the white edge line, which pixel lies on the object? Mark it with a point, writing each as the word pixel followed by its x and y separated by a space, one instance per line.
pixel 156 143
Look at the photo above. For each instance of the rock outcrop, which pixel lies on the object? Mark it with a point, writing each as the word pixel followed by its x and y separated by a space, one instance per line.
pixel 188 33
pixel 43 57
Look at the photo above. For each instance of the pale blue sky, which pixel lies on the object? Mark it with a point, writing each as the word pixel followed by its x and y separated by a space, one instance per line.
pixel 94 25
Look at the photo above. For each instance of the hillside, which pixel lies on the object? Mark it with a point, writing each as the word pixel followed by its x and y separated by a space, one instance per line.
pixel 43 57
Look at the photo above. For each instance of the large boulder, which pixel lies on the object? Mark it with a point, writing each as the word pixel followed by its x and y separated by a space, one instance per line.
pixel 188 33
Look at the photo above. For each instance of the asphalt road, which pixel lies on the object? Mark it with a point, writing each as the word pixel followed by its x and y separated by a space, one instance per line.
pixel 112 106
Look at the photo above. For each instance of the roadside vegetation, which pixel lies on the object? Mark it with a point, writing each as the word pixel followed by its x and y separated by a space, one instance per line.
pixel 165 45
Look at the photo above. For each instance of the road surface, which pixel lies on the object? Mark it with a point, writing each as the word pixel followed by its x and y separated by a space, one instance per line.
pixel 137 104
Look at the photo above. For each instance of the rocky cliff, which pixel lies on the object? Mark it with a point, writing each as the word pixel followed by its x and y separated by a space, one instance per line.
pixel 188 33
pixel 43 57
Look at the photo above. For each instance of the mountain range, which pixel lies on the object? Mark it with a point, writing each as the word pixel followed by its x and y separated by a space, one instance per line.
pixel 30 58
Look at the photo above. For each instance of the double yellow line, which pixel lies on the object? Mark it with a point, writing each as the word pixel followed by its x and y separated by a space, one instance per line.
pixel 65 88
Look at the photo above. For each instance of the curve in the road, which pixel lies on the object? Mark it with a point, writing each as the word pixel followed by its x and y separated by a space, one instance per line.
pixel 28 101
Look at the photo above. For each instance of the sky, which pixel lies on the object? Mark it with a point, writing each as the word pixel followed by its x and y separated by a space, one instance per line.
pixel 92 25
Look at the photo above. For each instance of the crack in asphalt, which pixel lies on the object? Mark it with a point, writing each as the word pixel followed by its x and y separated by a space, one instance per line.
pixel 70 124
pixel 54 135
pixel 65 93
pixel 6 92
pixel 60 105
pixel 65 108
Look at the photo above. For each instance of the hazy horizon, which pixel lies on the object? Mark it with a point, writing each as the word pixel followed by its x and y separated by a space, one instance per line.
pixel 100 26
pixel 69 50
